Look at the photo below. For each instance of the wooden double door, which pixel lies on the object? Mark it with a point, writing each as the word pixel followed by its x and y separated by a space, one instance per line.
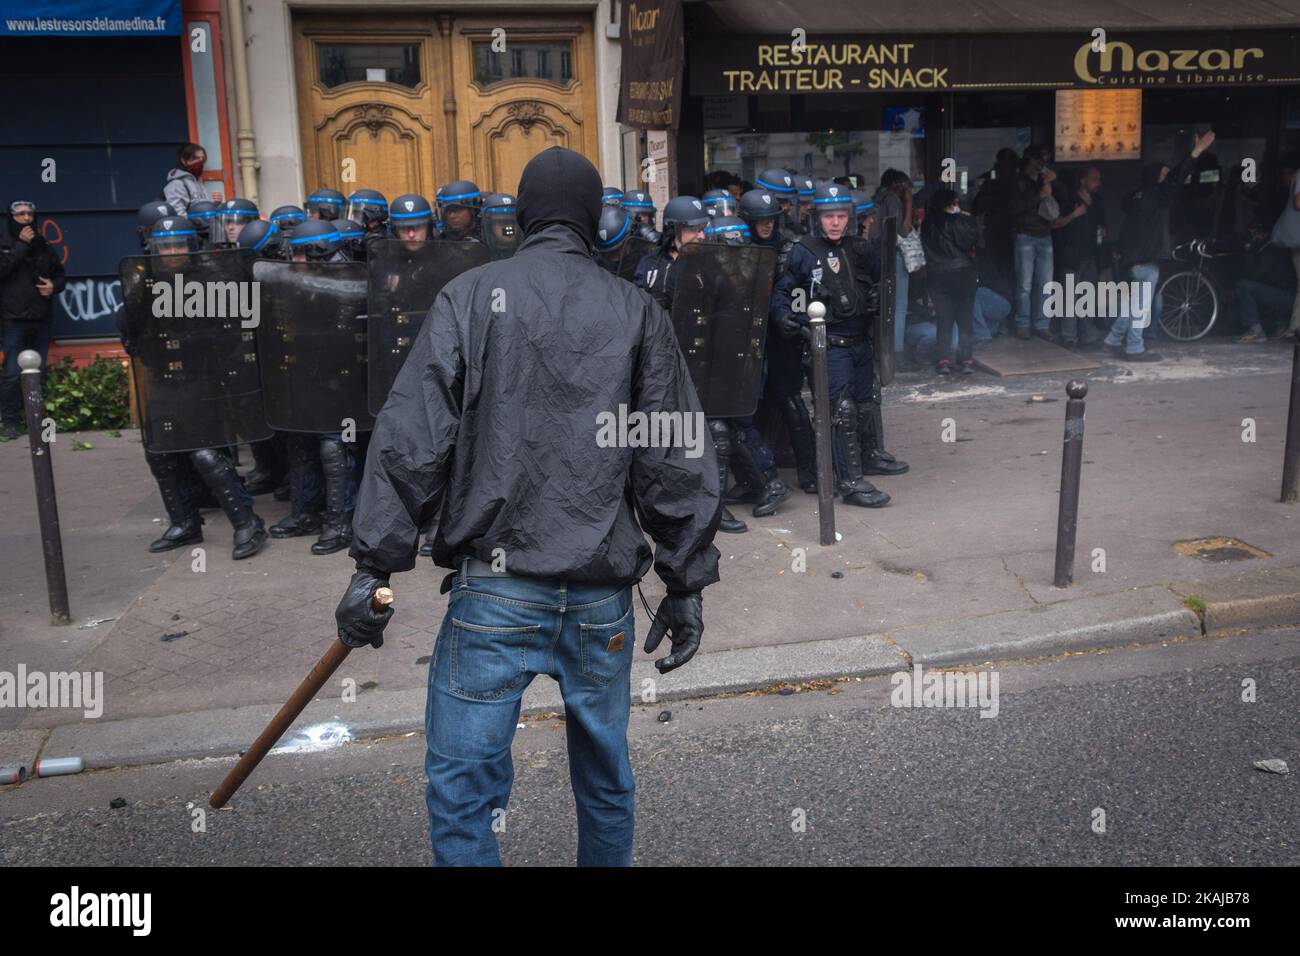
pixel 404 103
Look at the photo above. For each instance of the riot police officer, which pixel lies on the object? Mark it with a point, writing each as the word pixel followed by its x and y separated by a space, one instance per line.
pixel 458 208
pixel 228 219
pixel 200 213
pixel 410 218
pixel 149 214
pixel 719 202
pixel 832 267
pixel 739 439
pixel 780 183
pixel 287 218
pixel 785 375
pixel 807 188
pixel 500 221
pixel 175 238
pixel 611 196
pixel 613 230
pixel 352 239
pixel 369 209
pixel 324 204
pixel 261 239
pixel 642 207
pixel 684 223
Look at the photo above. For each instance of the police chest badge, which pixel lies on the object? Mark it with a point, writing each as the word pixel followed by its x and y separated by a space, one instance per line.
pixel 650 277
pixel 834 262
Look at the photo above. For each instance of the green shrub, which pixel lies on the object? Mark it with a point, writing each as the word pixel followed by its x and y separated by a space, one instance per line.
pixel 90 398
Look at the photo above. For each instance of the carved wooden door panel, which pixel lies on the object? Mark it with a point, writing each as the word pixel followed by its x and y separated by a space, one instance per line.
pixel 370 103
pixel 523 84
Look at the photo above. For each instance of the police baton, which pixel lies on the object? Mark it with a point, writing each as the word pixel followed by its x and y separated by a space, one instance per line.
pixel 822 428
pixel 47 505
pixel 294 706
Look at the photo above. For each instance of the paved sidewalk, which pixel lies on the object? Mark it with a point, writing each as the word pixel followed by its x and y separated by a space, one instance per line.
pixel 958 568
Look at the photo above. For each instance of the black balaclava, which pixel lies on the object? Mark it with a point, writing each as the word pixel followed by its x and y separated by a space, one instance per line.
pixel 15 228
pixel 560 187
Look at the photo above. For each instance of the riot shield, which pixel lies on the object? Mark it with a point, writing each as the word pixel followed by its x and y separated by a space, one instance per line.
pixel 312 345
pixel 634 250
pixel 501 233
pixel 720 317
pixel 884 328
pixel 195 365
pixel 404 279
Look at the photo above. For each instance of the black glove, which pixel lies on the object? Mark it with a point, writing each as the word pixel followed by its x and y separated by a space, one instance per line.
pixel 682 616
pixel 359 623
pixel 788 326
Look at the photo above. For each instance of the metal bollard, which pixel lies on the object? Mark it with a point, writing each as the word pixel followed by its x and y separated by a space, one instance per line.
pixel 47 506
pixel 1067 519
pixel 1291 458
pixel 822 425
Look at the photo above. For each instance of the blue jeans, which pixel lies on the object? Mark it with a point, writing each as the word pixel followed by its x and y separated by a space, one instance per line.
pixel 900 302
pixel 19 335
pixel 497 635
pixel 1254 297
pixel 1127 329
pixel 991 310
pixel 1033 272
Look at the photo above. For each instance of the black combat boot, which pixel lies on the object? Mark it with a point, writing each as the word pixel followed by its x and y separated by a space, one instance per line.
pixel 219 474
pixel 771 490
pixel 720 431
pixel 849 482
pixel 268 469
pixel 304 514
pixel 871 433
pixel 336 530
pixel 802 441
pixel 186 524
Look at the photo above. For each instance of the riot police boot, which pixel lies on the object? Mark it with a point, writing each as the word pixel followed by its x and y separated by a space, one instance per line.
pixel 871 430
pixel 303 517
pixel 774 492
pixel 749 486
pixel 268 469
pixel 741 494
pixel 336 530
pixel 186 525
pixel 249 539
pixel 219 474
pixel 720 431
pixel 802 441
pixel 847 455
pixel 282 491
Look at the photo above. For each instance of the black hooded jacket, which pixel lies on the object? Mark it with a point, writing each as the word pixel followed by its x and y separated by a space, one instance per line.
pixel 21 265
pixel 494 423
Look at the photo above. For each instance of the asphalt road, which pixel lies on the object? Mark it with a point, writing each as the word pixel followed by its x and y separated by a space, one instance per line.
pixel 1158 738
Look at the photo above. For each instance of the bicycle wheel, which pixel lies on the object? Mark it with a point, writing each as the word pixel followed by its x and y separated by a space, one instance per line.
pixel 1190 306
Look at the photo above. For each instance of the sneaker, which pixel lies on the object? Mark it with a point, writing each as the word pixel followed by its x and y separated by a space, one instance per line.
pixel 1254 335
pixel 8 432
pixel 944 369
pixel 1043 334
pixel 1142 356
pixel 968 367
pixel 1023 334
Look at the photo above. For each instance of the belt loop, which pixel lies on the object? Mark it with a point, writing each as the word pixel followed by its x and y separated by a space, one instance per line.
pixel 464 571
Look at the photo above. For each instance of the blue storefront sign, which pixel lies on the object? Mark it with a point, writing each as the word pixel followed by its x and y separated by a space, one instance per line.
pixel 85 18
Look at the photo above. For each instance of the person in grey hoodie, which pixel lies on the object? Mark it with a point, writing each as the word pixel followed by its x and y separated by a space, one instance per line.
pixel 183 184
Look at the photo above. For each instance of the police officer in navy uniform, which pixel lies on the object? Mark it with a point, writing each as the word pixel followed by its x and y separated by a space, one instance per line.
pixel 832 267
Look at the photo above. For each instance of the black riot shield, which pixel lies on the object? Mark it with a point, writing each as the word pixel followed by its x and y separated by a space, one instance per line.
pixel 634 250
pixel 884 335
pixel 720 317
pixel 404 279
pixel 190 320
pixel 312 345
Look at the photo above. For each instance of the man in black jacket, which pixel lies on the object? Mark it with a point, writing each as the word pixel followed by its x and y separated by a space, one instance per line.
pixel 502 424
pixel 1145 242
pixel 30 276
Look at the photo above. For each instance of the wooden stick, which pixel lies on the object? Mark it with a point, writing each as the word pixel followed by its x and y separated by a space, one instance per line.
pixel 294 706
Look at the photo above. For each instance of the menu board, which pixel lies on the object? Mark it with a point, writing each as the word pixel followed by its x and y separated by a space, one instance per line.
pixel 1093 125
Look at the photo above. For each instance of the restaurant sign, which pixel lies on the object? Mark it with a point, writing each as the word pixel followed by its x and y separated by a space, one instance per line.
pixel 846 63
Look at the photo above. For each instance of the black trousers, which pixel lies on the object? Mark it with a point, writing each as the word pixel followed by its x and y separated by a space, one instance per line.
pixel 953 294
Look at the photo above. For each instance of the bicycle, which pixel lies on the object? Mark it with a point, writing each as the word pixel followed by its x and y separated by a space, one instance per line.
pixel 1190 297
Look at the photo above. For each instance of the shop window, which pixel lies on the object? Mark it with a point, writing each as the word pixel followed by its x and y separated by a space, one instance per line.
pixel 825 154
pixel 341 63
pixel 549 61
pixel 976 149
pixel 203 70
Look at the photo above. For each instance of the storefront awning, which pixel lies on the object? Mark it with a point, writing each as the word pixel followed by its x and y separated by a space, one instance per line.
pixel 772 17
